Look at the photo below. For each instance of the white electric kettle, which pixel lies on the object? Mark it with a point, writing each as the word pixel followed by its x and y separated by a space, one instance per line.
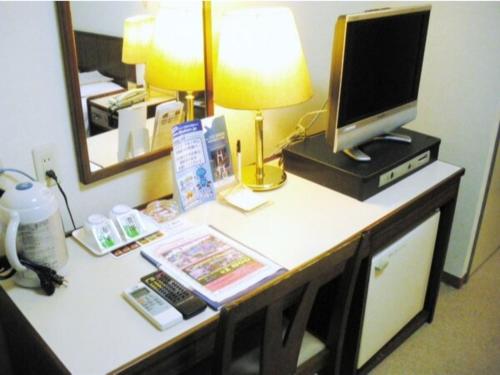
pixel 30 225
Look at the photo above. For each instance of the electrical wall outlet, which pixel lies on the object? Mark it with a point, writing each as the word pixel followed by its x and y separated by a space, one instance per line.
pixel 44 158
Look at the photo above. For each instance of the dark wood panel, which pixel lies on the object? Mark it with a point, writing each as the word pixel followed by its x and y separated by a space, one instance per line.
pixel 103 53
pixel 175 357
pixel 27 351
pixel 454 281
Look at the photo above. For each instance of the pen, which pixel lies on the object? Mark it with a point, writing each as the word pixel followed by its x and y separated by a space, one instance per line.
pixel 238 155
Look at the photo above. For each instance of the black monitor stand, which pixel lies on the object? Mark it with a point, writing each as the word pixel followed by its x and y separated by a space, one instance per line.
pixel 314 160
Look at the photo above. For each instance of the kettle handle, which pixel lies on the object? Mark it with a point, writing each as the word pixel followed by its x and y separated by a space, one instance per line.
pixel 10 241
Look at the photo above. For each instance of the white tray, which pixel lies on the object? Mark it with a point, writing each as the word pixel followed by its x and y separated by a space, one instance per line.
pixel 82 236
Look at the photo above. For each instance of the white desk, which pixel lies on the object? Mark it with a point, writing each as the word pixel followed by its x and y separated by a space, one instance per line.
pixel 307 219
pixel 93 330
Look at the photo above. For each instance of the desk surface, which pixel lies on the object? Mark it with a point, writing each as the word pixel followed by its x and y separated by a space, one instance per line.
pixel 92 329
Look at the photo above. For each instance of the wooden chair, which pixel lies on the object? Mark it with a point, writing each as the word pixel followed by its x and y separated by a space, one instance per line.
pixel 284 305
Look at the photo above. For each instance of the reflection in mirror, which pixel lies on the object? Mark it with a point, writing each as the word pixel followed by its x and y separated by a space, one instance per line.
pixel 122 85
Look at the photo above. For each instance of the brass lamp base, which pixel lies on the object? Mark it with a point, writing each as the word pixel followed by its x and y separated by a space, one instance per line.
pixel 274 177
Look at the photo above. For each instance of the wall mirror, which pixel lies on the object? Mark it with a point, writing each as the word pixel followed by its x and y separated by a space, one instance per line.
pixel 92 37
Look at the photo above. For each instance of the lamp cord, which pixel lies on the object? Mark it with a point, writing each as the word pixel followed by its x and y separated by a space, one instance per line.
pixel 300 131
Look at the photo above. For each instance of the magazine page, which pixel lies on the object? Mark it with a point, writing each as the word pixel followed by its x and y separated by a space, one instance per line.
pixel 193 176
pixel 219 150
pixel 212 264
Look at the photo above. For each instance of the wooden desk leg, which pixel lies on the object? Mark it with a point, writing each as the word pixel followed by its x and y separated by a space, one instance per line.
pixel 440 250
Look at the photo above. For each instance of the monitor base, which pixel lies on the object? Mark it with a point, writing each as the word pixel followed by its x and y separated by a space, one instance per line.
pixel 355 153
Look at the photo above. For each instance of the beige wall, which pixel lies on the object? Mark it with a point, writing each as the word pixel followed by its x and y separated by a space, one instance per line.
pixel 458 102
pixel 488 240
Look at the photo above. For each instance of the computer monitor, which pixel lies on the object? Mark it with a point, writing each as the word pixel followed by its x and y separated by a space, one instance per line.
pixel 375 74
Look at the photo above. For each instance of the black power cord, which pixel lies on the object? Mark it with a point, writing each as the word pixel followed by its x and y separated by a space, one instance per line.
pixel 6 271
pixel 51 174
pixel 49 278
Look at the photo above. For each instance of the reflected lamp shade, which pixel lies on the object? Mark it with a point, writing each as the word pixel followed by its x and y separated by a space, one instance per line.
pixel 176 57
pixel 137 32
pixel 260 63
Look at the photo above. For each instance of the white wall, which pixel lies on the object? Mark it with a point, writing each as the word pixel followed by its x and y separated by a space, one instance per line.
pixel 459 103
pixel 94 16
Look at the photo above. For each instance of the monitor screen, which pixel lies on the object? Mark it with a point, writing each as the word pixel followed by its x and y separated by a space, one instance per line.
pixel 377 59
pixel 382 62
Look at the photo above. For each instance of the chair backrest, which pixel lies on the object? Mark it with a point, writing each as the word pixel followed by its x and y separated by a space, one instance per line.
pixel 293 293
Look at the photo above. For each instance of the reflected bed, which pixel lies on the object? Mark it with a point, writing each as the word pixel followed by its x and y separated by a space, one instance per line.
pixel 100 66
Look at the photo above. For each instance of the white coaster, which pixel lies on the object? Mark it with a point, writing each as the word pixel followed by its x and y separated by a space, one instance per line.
pixel 244 198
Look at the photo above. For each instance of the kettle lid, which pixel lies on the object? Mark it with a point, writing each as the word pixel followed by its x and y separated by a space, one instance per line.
pixel 27 195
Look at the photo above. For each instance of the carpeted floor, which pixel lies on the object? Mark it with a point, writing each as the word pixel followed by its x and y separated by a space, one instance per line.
pixel 464 338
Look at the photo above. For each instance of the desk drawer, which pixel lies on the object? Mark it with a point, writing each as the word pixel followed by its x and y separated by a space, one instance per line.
pixel 99 117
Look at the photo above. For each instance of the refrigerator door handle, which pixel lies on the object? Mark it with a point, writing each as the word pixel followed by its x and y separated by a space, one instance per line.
pixel 381 266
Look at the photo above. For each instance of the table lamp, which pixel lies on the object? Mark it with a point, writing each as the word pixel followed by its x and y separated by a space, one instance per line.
pixel 175 60
pixel 137 32
pixel 260 66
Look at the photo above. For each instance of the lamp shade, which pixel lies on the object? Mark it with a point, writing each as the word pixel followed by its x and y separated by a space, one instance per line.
pixel 261 64
pixel 137 33
pixel 175 60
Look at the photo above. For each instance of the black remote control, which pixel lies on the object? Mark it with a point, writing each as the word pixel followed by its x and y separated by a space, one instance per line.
pixel 174 293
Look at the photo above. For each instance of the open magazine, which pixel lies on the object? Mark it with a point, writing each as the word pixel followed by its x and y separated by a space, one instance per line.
pixel 214 266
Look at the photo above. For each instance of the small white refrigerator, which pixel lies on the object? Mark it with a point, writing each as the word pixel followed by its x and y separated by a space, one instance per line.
pixel 397 287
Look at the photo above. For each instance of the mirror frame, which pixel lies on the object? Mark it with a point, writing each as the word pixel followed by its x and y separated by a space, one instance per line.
pixel 71 73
